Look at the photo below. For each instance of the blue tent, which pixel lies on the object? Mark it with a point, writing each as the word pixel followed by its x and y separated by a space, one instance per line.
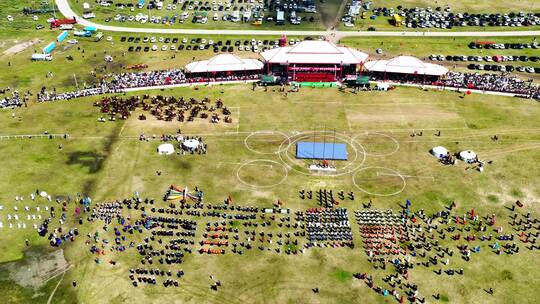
pixel 317 150
pixel 49 48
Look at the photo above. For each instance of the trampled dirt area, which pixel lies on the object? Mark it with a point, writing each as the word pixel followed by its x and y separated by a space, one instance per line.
pixel 19 47
pixel 36 268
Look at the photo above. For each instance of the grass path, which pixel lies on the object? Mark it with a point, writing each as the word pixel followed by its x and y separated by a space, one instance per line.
pixel 56 287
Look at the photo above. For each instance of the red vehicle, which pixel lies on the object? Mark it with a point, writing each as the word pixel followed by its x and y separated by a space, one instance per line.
pixel 58 22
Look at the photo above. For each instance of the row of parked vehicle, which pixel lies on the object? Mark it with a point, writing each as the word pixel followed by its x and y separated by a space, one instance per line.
pixel 503 46
pixel 487 58
pixel 503 68
pixel 426 17
pixel 201 44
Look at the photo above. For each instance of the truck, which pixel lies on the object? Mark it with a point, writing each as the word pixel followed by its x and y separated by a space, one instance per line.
pixel 82 34
pixel 98 37
pixel 41 57
pixel 58 22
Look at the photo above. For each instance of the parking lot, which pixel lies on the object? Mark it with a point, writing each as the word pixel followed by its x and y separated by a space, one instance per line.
pixel 207 14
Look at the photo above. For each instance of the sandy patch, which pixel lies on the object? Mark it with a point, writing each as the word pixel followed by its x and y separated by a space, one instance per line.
pixel 19 47
pixel 36 268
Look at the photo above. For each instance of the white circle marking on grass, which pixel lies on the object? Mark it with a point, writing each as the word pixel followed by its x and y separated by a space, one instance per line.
pixel 380 194
pixel 250 162
pixel 263 132
pixel 381 134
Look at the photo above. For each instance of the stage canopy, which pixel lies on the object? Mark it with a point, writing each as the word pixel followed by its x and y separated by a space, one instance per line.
pixel 224 63
pixel 406 65
pixel 318 150
pixel 314 52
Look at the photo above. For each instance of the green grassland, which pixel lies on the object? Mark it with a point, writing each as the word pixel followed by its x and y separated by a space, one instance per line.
pixel 107 161
pixel 111 163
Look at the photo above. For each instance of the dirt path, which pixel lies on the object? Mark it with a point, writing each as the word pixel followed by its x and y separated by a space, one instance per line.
pixel 19 47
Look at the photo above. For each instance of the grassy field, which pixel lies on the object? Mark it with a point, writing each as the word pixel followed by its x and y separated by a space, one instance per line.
pixel 108 162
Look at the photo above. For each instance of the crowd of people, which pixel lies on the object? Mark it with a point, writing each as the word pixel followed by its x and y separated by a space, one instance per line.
pixel 166 108
pixel 44 96
pixel 397 242
pixel 145 79
pixel 11 100
pixel 491 82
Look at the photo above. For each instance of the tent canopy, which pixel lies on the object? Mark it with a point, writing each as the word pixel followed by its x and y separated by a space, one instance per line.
pixel 166 149
pixel 318 150
pixel 223 63
pixel 314 52
pixel 406 65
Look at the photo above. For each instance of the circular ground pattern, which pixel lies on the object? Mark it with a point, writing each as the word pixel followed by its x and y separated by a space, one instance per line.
pixel 265 142
pixel 261 173
pixel 356 152
pixel 379 181
pixel 377 144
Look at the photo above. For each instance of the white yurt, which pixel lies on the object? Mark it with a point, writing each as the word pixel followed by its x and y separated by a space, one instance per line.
pixel 191 144
pixel 467 156
pixel 439 152
pixel 165 149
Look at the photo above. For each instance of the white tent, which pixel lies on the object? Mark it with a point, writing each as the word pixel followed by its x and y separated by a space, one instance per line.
pixel 439 152
pixel 382 86
pixel 165 149
pixel 224 63
pixel 467 156
pixel 406 65
pixel 313 52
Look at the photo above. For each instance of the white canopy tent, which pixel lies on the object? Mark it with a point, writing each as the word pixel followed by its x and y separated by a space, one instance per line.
pixel 224 63
pixel 405 65
pixel 439 152
pixel 467 156
pixel 314 52
pixel 165 149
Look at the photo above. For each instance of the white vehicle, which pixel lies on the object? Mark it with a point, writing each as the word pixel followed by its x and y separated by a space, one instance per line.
pixel 210 42
pixel 108 58
pixel 10 18
pixel 255 48
pixel 529 69
pixel 88 15
pixel 240 47
pixel 152 39
pixel 109 38
pixel 173 47
pixel 154 47
pixel 260 43
pixel 216 18
pixel 159 5
pixel 184 41
pixel 36 18
pixel 201 47
pixel 104 3
pixel 66 26
pixel 164 47
pixel 72 41
pixel 203 41
pixel 161 39
pixel 42 57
